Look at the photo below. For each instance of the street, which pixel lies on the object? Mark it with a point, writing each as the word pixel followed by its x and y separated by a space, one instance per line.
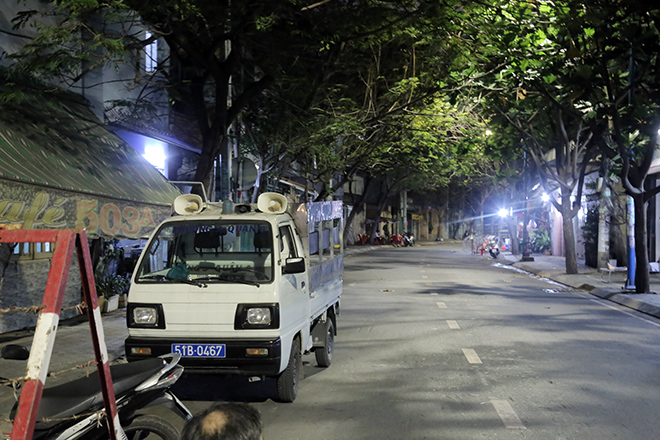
pixel 434 343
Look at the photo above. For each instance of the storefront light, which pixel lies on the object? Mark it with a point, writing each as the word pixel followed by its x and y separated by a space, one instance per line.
pixel 154 152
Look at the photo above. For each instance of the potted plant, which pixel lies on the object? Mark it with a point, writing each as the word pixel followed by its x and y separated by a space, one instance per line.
pixel 540 240
pixel 109 284
pixel 110 288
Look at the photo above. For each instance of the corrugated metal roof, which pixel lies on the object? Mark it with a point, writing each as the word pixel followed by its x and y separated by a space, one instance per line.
pixel 53 139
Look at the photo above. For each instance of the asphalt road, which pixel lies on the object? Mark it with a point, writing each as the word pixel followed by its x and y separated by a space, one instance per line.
pixel 439 344
pixel 435 343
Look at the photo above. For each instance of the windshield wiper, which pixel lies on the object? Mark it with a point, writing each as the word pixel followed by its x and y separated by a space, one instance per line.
pixel 178 280
pixel 229 280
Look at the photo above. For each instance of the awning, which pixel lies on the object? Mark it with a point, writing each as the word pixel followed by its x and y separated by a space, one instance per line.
pixel 60 168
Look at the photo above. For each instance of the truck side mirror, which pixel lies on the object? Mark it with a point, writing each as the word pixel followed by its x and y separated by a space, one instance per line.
pixel 294 265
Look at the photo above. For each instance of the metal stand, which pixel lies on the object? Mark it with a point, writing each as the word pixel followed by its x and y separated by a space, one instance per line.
pixel 44 336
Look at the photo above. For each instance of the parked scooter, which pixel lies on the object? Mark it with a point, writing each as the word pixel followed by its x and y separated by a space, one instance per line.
pixel 408 239
pixel 494 246
pixel 71 411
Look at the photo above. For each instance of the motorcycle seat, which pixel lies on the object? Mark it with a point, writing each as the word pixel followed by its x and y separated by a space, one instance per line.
pixel 82 396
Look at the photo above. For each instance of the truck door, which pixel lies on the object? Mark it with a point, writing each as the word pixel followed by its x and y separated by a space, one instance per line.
pixel 293 287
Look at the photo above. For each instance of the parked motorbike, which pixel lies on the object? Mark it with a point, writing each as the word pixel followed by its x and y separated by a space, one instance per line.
pixel 396 240
pixel 494 246
pixel 70 411
pixel 408 239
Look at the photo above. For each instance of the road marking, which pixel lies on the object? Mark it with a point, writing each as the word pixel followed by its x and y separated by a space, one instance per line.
pixel 441 305
pixel 625 312
pixel 507 414
pixel 453 325
pixel 426 277
pixel 434 293
pixel 471 356
pixel 429 284
pixel 423 271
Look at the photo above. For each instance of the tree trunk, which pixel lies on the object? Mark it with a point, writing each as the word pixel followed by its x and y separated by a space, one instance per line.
pixel 382 202
pixel 604 228
pixel 358 207
pixel 204 172
pixel 569 235
pixel 512 224
pixel 642 277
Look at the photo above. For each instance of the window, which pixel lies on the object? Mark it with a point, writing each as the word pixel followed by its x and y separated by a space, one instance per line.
pixel 150 54
pixel 33 251
pixel 209 251
pixel 287 245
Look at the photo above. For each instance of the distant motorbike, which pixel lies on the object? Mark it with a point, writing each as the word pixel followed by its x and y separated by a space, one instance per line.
pixel 494 246
pixel 408 239
pixel 70 411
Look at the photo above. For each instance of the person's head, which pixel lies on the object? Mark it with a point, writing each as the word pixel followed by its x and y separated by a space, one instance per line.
pixel 225 421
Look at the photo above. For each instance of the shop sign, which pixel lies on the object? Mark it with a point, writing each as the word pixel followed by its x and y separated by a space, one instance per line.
pixel 36 208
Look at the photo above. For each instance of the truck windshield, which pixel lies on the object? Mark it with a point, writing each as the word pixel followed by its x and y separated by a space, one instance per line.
pixel 209 252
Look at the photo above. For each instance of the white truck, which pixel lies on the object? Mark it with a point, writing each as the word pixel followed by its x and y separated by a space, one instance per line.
pixel 240 289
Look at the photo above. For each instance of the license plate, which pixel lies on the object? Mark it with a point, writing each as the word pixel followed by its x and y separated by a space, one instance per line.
pixel 200 350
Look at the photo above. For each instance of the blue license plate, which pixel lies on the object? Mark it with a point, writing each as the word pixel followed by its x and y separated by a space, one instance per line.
pixel 200 350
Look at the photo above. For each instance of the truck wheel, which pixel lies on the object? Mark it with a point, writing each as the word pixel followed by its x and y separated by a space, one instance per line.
pixel 324 354
pixel 288 382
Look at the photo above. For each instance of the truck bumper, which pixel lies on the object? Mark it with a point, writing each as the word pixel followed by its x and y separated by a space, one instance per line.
pixel 236 360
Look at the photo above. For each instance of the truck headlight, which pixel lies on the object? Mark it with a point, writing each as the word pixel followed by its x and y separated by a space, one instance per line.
pixel 257 316
pixel 145 316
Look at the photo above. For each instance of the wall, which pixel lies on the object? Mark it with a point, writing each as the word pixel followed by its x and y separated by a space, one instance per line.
pixel 24 284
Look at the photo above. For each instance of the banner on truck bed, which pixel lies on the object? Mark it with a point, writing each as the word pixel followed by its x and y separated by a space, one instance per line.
pixel 321 211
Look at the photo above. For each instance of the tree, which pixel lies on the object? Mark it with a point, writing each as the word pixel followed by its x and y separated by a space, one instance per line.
pixel 335 119
pixel 533 85
pixel 617 54
pixel 223 55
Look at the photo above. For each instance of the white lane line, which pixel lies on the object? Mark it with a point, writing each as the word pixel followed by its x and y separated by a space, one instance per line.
pixel 434 293
pixel 441 305
pixel 471 356
pixel 507 414
pixel 453 324
pixel 425 277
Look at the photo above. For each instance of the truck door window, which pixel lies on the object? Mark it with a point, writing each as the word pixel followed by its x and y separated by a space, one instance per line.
pixel 287 244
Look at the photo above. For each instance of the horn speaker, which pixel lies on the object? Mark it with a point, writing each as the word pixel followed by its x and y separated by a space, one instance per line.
pixel 188 204
pixel 272 203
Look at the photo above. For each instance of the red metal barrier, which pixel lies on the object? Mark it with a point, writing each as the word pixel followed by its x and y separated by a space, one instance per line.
pixel 44 336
